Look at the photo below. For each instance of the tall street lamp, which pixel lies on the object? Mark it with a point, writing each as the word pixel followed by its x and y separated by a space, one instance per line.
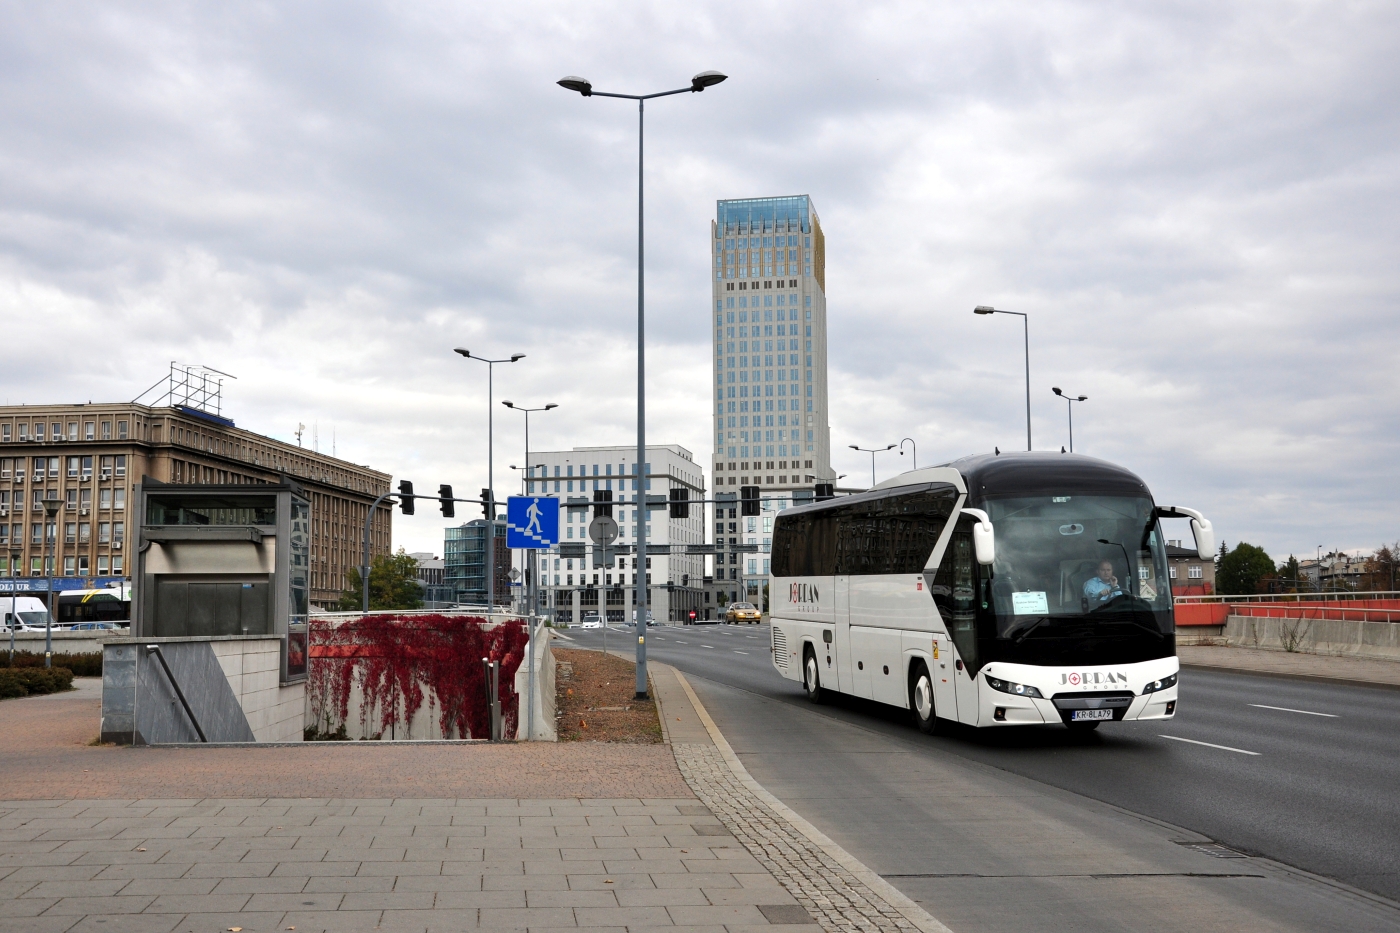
pixel 50 522
pixel 913 446
pixel 872 451
pixel 15 556
pixel 490 470
pixel 1025 321
pixel 585 87
pixel 1070 399
pixel 532 569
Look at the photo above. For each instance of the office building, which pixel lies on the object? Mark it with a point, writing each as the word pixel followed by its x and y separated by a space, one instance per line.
pixel 770 404
pixel 90 457
pixel 571 585
pixel 464 563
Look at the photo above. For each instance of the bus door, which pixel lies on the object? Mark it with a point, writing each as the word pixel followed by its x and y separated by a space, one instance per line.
pixel 945 691
pixel 841 616
pixel 954 592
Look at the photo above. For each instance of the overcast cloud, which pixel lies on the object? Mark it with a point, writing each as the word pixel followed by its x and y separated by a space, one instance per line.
pixel 1195 202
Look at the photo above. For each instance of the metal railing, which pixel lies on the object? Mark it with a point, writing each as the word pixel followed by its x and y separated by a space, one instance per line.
pixel 160 656
pixel 1314 597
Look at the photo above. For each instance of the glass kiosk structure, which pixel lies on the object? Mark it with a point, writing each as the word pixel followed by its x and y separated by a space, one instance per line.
pixel 220 560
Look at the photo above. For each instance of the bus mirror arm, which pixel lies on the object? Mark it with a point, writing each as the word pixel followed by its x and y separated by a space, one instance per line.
pixel 983 537
pixel 1200 527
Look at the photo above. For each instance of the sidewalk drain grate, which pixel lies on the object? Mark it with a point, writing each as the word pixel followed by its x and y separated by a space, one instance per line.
pixel 1213 849
pixel 785 913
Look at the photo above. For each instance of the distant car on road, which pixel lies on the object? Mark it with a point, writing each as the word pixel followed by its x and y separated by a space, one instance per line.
pixel 591 620
pixel 93 627
pixel 742 613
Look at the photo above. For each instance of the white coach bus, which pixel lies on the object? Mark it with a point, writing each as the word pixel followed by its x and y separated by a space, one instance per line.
pixel 1007 589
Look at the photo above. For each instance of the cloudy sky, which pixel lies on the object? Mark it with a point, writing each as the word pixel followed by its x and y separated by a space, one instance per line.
pixel 1195 202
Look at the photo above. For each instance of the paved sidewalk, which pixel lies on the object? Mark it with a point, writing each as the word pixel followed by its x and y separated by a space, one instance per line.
pixel 84 850
pixel 1297 664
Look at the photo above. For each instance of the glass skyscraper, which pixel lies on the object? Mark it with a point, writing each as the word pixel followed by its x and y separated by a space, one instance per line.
pixel 770 411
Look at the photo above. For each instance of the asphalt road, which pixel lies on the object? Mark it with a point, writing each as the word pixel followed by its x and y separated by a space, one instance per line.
pixel 1305 773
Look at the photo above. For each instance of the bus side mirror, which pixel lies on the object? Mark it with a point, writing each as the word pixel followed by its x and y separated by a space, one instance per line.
pixel 983 537
pixel 1205 538
pixel 1200 528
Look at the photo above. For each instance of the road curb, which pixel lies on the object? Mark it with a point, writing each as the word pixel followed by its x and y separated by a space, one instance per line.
pixel 876 889
pixel 1290 675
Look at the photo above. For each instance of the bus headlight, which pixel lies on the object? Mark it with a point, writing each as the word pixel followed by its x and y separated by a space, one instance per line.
pixel 1163 684
pixel 1020 690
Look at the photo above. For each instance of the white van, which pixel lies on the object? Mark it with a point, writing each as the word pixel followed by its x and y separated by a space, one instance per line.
pixel 30 610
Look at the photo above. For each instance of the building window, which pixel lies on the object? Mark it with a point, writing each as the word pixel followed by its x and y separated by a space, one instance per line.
pixel 116 565
pixel 120 500
pixel 104 499
pixel 121 430
pixel 102 565
pixel 106 430
pixel 88 430
pixel 1193 572
pixel 1171 571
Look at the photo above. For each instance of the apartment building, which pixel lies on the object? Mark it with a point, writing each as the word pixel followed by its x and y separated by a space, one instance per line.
pixel 88 458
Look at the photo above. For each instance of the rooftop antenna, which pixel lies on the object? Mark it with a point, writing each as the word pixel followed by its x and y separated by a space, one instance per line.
pixel 300 427
pixel 190 385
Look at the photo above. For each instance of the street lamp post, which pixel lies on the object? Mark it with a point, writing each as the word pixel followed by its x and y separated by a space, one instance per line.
pixel 14 601
pixel 526 473
pixel 1070 400
pixel 1025 321
pixel 913 446
pixel 872 451
pixel 490 470
pixel 50 519
pixel 585 87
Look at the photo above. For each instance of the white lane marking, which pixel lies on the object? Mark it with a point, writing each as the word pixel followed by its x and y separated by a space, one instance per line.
pixel 1285 709
pixel 740 652
pixel 708 646
pixel 1225 748
pixel 750 636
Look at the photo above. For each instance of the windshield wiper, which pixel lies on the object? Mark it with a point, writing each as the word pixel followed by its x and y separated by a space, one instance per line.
pixel 1030 628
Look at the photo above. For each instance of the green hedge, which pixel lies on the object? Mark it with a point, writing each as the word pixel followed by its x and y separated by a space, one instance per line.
pixel 25 681
pixel 86 664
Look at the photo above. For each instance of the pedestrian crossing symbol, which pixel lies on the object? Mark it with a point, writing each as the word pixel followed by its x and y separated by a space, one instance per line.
pixel 532 522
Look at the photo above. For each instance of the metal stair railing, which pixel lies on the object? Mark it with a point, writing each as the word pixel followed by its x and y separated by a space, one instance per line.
pixel 160 655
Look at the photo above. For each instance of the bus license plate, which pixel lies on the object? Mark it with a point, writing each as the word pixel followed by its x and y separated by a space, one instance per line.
pixel 1080 715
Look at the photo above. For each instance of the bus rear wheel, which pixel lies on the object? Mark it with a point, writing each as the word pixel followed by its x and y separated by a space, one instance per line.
pixel 811 676
pixel 921 701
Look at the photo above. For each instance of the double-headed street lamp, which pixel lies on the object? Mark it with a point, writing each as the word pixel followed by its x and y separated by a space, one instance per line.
pixel 1070 399
pixel 872 451
pixel 1025 321
pixel 490 470
pixel 585 87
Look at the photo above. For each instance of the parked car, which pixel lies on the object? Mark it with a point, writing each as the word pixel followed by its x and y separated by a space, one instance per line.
pixel 651 620
pixel 93 627
pixel 746 613
pixel 29 614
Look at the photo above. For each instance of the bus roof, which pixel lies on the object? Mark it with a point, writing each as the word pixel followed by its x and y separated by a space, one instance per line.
pixel 1009 473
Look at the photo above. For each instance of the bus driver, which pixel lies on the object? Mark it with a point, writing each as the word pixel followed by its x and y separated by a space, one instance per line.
pixel 1102 588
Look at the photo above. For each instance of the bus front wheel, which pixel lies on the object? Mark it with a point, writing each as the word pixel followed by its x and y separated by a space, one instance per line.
pixel 921 701
pixel 811 676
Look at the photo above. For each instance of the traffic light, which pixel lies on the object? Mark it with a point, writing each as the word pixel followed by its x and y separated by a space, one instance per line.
pixel 602 503
pixel 680 503
pixel 748 500
pixel 826 491
pixel 486 503
pixel 449 509
pixel 406 496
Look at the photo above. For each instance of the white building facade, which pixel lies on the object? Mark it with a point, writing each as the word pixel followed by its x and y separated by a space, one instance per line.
pixel 570 585
pixel 771 428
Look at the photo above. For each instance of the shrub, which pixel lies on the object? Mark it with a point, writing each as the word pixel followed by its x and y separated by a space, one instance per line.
pixel 86 664
pixel 26 681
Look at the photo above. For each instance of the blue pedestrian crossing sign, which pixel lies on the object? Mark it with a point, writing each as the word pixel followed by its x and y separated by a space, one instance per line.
pixel 532 522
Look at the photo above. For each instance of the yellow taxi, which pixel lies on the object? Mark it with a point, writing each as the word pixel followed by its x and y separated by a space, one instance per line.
pixel 746 613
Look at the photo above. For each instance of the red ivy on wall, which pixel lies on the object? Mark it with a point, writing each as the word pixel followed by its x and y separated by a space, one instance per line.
pixel 401 661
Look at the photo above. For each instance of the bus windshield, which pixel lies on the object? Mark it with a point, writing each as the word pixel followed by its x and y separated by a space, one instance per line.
pixel 1078 566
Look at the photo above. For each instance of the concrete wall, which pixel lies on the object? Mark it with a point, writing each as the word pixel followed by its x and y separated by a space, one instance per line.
pixel 253 667
pixel 1316 636
pixel 231 685
pixel 425 725
pixel 63 642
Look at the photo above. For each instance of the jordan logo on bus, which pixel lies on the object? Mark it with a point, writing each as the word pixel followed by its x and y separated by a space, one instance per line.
pixel 802 593
pixel 1076 678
